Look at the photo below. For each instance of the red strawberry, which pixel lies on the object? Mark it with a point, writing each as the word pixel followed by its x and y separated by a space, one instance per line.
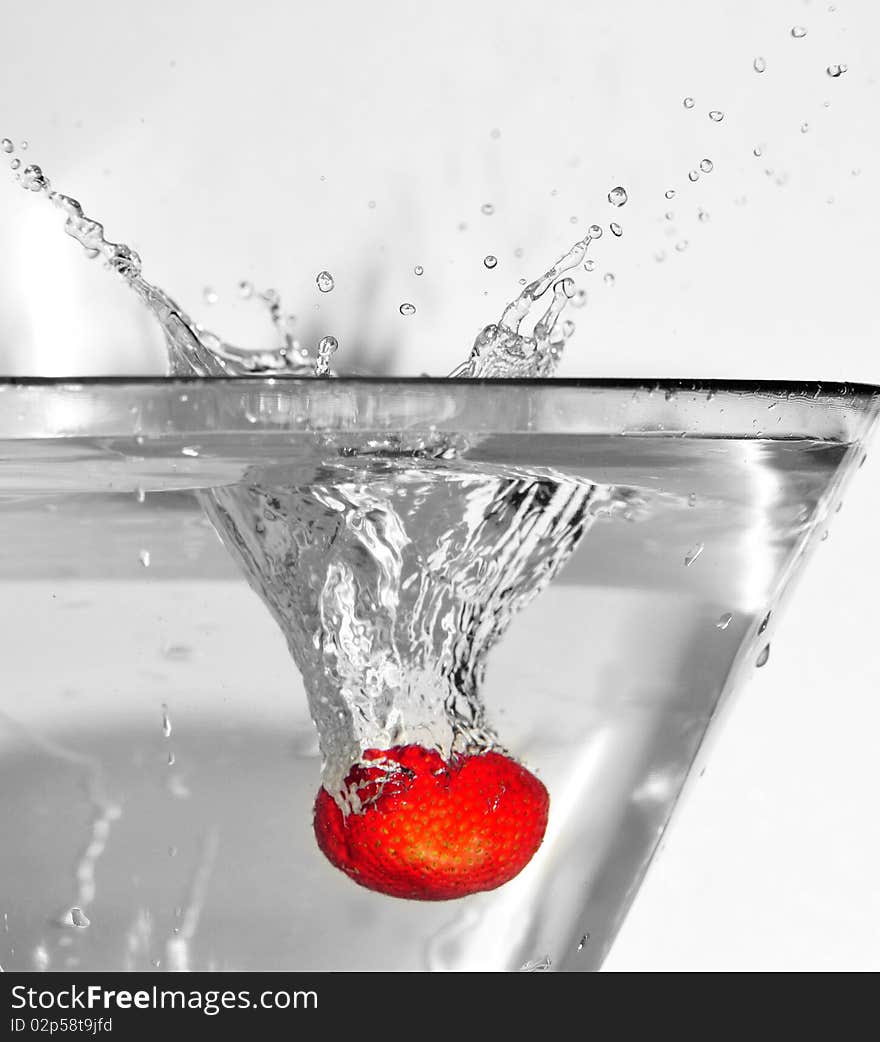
pixel 431 830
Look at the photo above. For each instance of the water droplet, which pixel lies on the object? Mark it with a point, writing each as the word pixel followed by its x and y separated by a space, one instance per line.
pixel 595 231
pixel 189 450
pixel 407 309
pixel 759 65
pixel 14 164
pixel 692 555
pixel 34 179
pixel 488 209
pixel 669 215
pixel 573 220
pixel 589 264
pixel 660 256
pixel 23 145
pixel 702 215
pixel 579 299
pixel 692 499
pixel 7 145
pixel 489 261
pixel 209 296
pixel 688 103
pixel 568 328
pixel 76 917
pixel 172 759
pixel 805 128
pixel 519 252
pixel 682 245
pixel 245 289
pixel 670 193
pixel 617 196
pixel 694 175
pixel 756 151
pixel 166 723
pixel 762 658
pixel 856 172
pixel 495 133
pixel 372 204
pixel 327 345
pixel 765 622
pixel 834 71
pixel 608 278
pixel 707 166
pixel 144 558
pixel 724 621
pixel 324 281
pixel 616 229
pixel 716 115
pixel 798 32
pixel 583 941
pixel 419 270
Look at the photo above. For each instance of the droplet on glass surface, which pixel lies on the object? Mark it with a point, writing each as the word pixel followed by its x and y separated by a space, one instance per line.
pixel 692 499
pixel 76 917
pixel 617 196
pixel 245 289
pixel 407 309
pixel 756 151
pixel 765 622
pixel 764 655
pixel 14 164
pixel 324 281
pixel 490 261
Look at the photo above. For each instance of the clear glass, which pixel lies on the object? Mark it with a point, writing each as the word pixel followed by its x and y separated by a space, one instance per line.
pixel 158 764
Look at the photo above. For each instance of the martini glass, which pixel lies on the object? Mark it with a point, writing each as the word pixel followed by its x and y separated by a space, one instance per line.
pixel 158 763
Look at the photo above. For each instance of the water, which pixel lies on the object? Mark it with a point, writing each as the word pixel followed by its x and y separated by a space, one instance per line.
pixel 534 591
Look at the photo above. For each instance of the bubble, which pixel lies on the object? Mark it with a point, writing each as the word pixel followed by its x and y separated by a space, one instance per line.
pixel 670 193
pixel 489 261
pixel 702 215
pixel 716 115
pixel 694 175
pixel 759 65
pixel 724 621
pixel 693 554
pixel 324 281
pixel 488 209
pixel 616 229
pixel 589 264
pixel 688 103
pixel 681 246
pixel 419 270
pixel 763 657
pixel 595 231
pixel 805 127
pixel 798 32
pixel 579 299
pixel 707 166
pixel 7 145
pixel 144 558
pixel 835 71
pixel 608 278
pixel 209 295
pixel 617 196
pixel 407 309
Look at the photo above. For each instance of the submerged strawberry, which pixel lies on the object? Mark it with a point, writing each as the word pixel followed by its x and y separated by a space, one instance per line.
pixel 429 830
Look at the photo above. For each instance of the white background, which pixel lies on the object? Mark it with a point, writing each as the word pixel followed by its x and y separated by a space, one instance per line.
pixel 228 141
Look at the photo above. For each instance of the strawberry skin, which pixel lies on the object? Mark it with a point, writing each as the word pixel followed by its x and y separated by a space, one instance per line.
pixel 429 830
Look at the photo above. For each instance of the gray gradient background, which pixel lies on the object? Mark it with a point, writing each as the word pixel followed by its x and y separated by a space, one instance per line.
pixel 228 141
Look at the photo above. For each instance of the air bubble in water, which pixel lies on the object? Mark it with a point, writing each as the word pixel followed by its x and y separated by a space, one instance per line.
pixel 762 658
pixel 407 309
pixel 595 231
pixel 488 209
pixel 798 32
pixel 670 193
pixel 7 145
pixel 166 723
pixel 209 295
pixel 692 555
pixel 608 278
pixel 834 71
pixel 326 346
pixel 616 229
pixel 490 261
pixel 759 65
pixel 144 558
pixel 694 175
pixel 724 621
pixel 688 103
pixel 324 281
pixel 617 196
pixel 707 166
pixel 579 299
pixel 419 270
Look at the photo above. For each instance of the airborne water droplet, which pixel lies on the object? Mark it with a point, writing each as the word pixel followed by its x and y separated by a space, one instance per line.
pixel 245 289
pixel 490 261
pixel 798 32
pixel 694 175
pixel 419 270
pixel 707 166
pixel 702 215
pixel 616 229
pixel 589 264
pixel 834 71
pixel 608 278
pixel 762 658
pixel 324 281
pixel 688 103
pixel 579 299
pixel 77 917
pixel 805 128
pixel 7 145
pixel 682 245
pixel 189 450
pixel 407 309
pixel 724 621
pixel 670 193
pixel 488 209
pixel 716 115
pixel 209 295
pixel 756 151
pixel 759 65
pixel 692 499
pixel 617 196
pixel 692 555
pixel 166 723
pixel 144 558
